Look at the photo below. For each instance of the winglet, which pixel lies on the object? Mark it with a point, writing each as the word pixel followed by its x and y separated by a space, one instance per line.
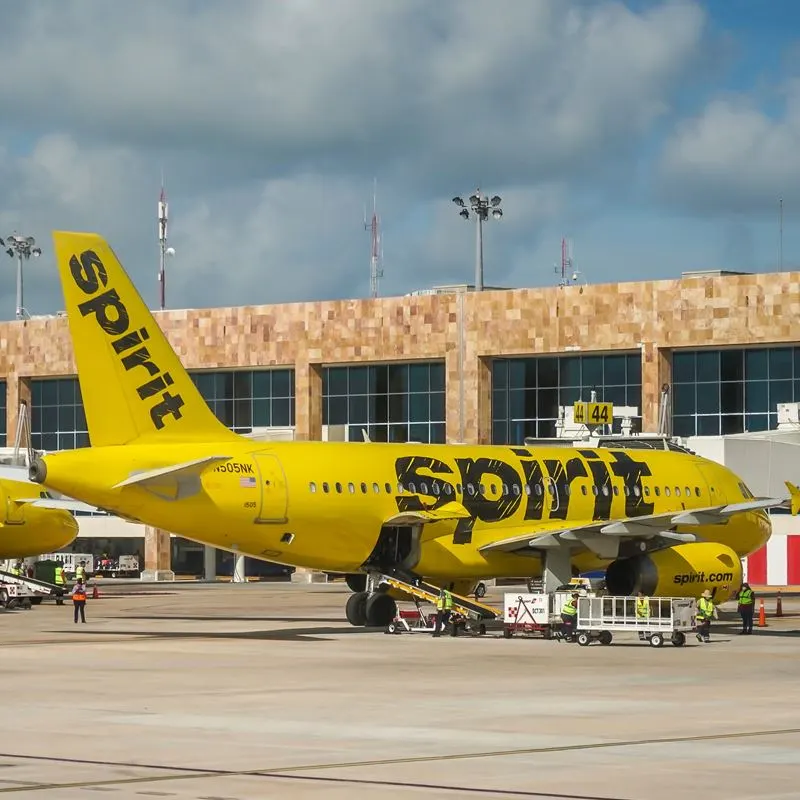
pixel 794 498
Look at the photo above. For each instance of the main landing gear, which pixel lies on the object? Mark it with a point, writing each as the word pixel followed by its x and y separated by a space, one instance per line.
pixel 373 609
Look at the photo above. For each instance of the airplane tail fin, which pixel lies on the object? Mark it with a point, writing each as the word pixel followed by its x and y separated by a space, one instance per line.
pixel 134 386
pixel 794 498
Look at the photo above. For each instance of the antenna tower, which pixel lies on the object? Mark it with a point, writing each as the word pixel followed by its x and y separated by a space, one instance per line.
pixel 376 252
pixel 163 216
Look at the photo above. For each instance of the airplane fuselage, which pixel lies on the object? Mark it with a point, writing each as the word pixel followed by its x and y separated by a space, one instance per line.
pixel 27 530
pixel 323 505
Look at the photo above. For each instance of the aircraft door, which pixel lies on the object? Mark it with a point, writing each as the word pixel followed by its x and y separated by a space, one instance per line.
pixel 14 512
pixel 713 487
pixel 274 494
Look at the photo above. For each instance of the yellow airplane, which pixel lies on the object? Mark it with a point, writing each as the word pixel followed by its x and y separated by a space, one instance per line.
pixel 31 523
pixel 669 523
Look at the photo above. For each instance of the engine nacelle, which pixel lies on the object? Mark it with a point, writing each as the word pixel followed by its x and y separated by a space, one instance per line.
pixel 684 570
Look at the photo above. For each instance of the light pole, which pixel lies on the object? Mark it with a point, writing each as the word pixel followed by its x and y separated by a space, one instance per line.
pixel 21 247
pixel 481 206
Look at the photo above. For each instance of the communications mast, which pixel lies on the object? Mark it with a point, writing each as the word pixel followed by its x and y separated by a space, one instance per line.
pixel 376 252
pixel 163 250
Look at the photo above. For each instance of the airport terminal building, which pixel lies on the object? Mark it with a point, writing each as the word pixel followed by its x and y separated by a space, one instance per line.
pixel 446 365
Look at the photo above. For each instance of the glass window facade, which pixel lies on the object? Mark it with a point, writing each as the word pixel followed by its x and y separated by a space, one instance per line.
pixel 58 421
pixel 527 392
pixel 393 402
pixel 247 399
pixel 729 391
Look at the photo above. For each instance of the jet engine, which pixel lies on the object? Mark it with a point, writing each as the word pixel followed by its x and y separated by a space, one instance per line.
pixel 684 570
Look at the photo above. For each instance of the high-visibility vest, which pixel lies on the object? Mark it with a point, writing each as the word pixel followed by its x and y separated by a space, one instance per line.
pixel 80 572
pixel 59 575
pixel 746 597
pixel 15 570
pixel 705 608
pixel 445 601
pixel 569 608
pixel 642 606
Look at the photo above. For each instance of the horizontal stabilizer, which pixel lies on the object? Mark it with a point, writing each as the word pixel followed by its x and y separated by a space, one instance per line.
pixel 177 470
pixel 449 511
pixel 175 482
pixel 52 502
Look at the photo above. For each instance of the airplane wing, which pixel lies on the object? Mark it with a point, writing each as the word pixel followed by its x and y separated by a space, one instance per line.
pixel 449 511
pixel 173 482
pixel 603 536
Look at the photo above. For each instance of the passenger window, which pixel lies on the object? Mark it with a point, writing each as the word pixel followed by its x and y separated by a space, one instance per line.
pixel 325 488
pixel 400 488
pixel 312 487
pixel 657 490
pixel 351 488
pixel 583 490
pixel 616 491
pixel 515 488
pixel 458 488
pixel 470 489
pixel 377 489
pixel 594 490
pixel 493 488
pixel 339 488
pixel 637 491
pixel 388 487
pixel 412 487
pixel 566 489
pixel 677 491
pixel 481 488
pixel 363 488
pixel 436 489
pixel 551 489
pixel 423 488
pixel 666 491
pixel 527 489
pixel 539 490
pixel 448 489
pixel 505 489
pixel 627 491
pixel 647 491
pixel 687 491
pixel 697 490
pixel 605 490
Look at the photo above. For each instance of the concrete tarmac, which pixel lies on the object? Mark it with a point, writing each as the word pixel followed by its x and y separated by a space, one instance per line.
pixel 263 690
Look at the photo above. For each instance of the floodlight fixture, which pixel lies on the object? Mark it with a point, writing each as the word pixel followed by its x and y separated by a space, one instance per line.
pixel 22 248
pixel 480 206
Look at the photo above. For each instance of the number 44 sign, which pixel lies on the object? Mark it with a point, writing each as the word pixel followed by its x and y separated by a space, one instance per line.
pixel 593 413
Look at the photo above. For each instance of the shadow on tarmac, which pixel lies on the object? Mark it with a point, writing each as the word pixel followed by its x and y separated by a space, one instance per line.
pixel 292 634
pixel 238 618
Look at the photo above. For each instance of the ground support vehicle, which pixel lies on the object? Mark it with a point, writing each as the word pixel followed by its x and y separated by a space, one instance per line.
pixel 670 618
pixel 30 591
pixel 535 612
pixel 13 595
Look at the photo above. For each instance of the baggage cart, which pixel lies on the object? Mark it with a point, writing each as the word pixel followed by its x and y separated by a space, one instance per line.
pixel 599 618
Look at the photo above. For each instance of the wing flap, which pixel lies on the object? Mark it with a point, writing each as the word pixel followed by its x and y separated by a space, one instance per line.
pixel 52 502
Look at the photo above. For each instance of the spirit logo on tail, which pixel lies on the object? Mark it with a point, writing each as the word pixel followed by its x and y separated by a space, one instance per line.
pixel 89 273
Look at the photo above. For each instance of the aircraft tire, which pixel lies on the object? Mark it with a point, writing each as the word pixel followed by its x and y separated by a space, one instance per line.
pixel 380 610
pixel 356 609
pixel 480 590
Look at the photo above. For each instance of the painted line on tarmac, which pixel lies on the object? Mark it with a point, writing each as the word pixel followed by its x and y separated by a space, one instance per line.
pixel 189 773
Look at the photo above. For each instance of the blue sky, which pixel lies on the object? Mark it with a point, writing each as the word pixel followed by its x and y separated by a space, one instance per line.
pixel 657 136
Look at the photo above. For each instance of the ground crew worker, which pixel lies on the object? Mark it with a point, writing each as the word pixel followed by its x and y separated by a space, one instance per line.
pixel 747 604
pixel 17 569
pixel 642 611
pixel 444 606
pixel 59 575
pixel 79 601
pixel 80 572
pixel 569 614
pixel 705 611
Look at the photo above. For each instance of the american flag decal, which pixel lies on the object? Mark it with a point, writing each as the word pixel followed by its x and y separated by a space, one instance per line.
pixel 247 483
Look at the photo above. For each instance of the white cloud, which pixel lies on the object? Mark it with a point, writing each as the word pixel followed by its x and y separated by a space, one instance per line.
pixel 270 119
pixel 734 157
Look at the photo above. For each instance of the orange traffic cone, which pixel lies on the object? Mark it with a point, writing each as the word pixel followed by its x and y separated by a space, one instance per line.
pixel 95 593
pixel 779 606
pixel 762 616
